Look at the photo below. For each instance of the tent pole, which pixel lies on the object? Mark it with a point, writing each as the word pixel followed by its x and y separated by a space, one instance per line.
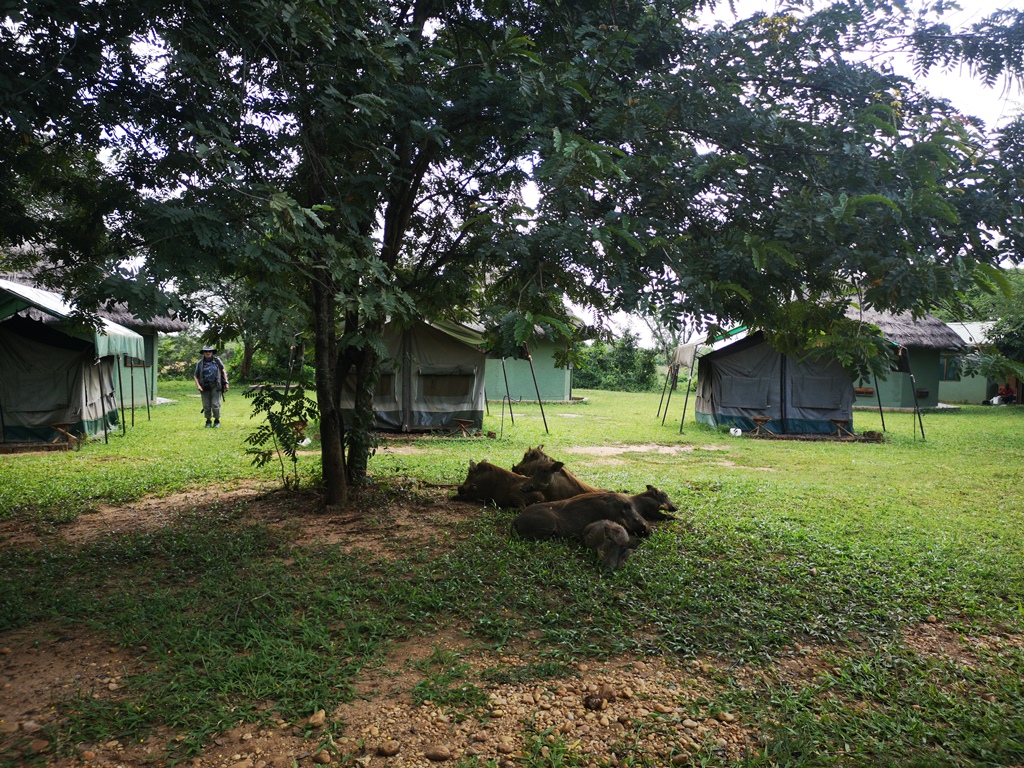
pixel 103 407
pixel 508 395
pixel 686 399
pixel 537 389
pixel 119 360
pixel 878 394
pixel 406 379
pixel 668 375
pixel 149 416
pixel 669 400
pixel 133 397
pixel 917 405
pixel 782 394
pixel 2 430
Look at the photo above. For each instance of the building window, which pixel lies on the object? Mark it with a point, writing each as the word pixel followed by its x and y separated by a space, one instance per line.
pixel 950 370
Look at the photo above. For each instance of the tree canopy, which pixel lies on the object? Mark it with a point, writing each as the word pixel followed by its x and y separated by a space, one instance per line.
pixel 364 160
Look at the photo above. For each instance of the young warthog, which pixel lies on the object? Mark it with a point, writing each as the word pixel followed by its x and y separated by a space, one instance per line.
pixel 551 477
pixel 568 518
pixel 610 541
pixel 532 459
pixel 490 483
pixel 650 504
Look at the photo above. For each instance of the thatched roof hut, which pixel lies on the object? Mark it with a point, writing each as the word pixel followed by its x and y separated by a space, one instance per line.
pixel 921 345
pixel 925 333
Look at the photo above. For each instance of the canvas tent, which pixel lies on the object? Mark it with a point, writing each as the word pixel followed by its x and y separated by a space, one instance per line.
pixel 744 381
pixel 432 378
pixel 57 376
pixel 135 381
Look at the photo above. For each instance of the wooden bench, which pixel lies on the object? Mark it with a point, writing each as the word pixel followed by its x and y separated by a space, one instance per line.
pixel 864 391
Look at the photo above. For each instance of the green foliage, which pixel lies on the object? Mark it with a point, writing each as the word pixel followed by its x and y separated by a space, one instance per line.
pixel 446 685
pixel 287 412
pixel 621 366
pixel 179 352
pixel 990 364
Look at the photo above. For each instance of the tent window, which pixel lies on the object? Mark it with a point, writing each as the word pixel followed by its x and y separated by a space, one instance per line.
pixel 385 386
pixel 823 392
pixel 745 393
pixel 456 386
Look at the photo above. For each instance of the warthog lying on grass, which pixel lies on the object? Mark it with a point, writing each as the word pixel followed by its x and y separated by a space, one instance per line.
pixel 610 541
pixel 568 518
pixel 551 477
pixel 653 505
pixel 490 483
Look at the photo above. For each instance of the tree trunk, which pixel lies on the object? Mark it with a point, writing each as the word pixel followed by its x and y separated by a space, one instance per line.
pixel 248 350
pixel 328 390
pixel 362 366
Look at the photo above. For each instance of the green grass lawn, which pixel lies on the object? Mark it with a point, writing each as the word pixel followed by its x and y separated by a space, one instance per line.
pixel 842 546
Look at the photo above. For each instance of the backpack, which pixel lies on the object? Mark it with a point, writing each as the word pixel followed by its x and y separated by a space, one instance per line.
pixel 210 374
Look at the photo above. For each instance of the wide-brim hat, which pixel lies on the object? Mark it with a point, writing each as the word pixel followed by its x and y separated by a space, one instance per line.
pixel 208 349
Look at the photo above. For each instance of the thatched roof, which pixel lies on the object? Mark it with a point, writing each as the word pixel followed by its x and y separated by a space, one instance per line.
pixel 118 314
pixel 927 333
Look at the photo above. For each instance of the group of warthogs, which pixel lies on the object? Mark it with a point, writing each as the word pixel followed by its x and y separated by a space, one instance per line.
pixel 555 503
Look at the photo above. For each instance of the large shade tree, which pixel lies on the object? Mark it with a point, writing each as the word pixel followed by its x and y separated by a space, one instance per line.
pixel 368 157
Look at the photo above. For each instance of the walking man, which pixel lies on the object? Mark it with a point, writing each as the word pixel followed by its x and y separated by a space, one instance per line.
pixel 212 381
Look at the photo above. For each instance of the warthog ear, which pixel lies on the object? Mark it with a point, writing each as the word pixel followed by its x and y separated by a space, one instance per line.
pixel 472 464
pixel 651 488
pixel 557 466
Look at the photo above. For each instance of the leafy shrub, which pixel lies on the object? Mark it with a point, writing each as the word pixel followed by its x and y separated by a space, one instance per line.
pixel 622 366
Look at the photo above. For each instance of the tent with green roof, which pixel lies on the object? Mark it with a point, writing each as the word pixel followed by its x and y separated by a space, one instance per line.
pixel 56 378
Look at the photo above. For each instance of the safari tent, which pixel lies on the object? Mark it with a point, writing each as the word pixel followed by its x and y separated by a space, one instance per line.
pixel 743 382
pixel 432 379
pixel 57 377
pixel 134 379
pixel 919 343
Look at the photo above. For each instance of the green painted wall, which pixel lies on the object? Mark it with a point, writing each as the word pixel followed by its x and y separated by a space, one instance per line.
pixel 143 377
pixel 967 389
pixel 554 383
pixel 970 389
pixel 897 391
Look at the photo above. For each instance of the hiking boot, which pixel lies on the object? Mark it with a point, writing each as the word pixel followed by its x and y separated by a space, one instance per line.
pixel 209 424
pixel 216 424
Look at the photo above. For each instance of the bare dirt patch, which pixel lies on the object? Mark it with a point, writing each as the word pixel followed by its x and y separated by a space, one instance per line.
pixel 937 640
pixel 665 450
pixel 149 513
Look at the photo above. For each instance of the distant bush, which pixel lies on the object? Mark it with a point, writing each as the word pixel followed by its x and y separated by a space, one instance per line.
pixel 178 353
pixel 621 367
